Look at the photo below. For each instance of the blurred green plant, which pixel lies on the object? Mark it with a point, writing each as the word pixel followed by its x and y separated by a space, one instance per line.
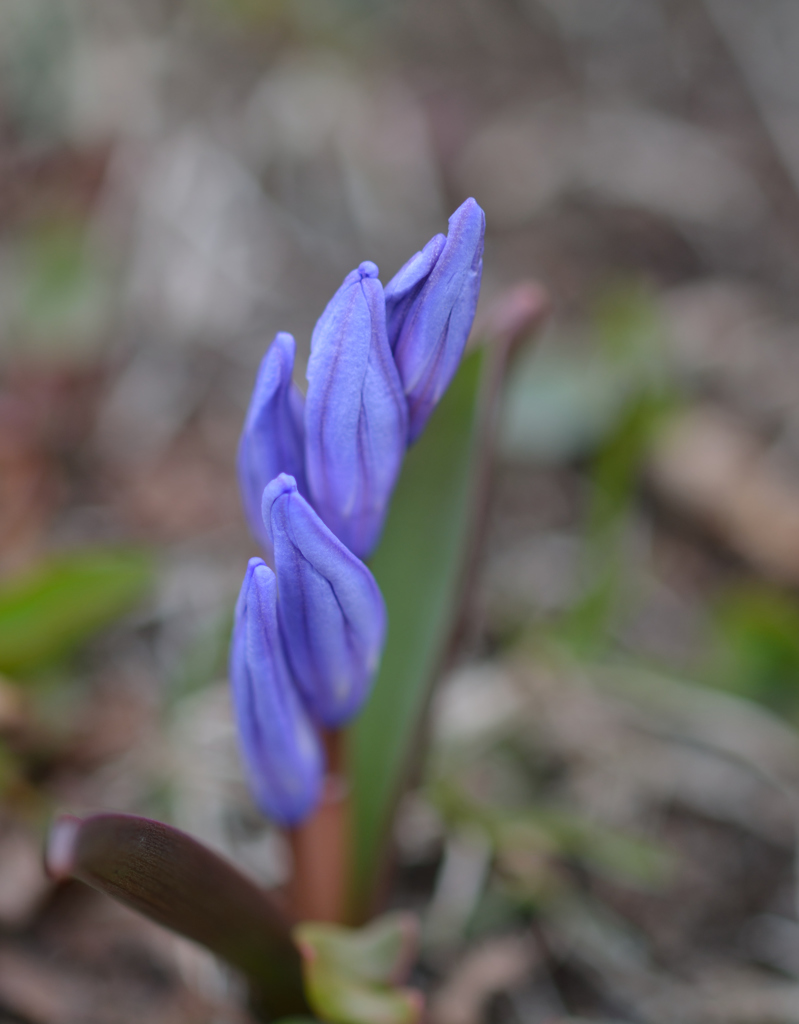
pixel 568 396
pixel 58 293
pixel 310 17
pixel 204 659
pixel 48 612
pixel 753 648
pixel 496 789
pixel 35 48
pixel 604 404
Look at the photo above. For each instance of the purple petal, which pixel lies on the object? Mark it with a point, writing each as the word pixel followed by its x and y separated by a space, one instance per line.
pixel 430 307
pixel 281 750
pixel 356 415
pixel 272 440
pixel 331 612
pixel 404 287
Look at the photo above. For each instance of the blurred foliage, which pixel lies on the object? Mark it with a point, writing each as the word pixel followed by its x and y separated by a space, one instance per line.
pixel 531 840
pixel 48 612
pixel 351 975
pixel 204 660
pixel 603 400
pixel 568 395
pixel 621 395
pixel 35 48
pixel 311 17
pixel 754 647
pixel 60 293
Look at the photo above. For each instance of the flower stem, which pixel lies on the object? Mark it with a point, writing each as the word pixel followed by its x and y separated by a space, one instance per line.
pixel 320 846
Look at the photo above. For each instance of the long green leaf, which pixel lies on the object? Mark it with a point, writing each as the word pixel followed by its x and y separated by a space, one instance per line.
pixel 418 567
pixel 48 612
pixel 176 881
pixel 421 566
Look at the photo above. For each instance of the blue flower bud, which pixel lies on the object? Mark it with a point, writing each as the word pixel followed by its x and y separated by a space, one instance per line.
pixel 272 441
pixel 331 612
pixel 430 306
pixel 280 748
pixel 356 416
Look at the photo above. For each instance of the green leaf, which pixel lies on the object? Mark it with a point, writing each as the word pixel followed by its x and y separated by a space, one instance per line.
pixel 351 975
pixel 421 567
pixel 178 882
pixel 48 612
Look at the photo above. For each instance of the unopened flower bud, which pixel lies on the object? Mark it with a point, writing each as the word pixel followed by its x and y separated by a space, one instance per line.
pixel 272 441
pixel 430 307
pixel 356 416
pixel 280 748
pixel 331 612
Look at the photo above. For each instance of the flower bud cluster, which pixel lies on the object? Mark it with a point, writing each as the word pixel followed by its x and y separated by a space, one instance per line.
pixel 316 477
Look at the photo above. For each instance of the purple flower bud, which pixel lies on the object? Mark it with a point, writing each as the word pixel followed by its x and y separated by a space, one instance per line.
pixel 280 748
pixel 272 440
pixel 356 416
pixel 331 612
pixel 430 306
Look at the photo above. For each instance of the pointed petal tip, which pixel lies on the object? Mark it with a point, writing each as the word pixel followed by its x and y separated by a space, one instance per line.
pixel 469 217
pixel 468 208
pixel 274 371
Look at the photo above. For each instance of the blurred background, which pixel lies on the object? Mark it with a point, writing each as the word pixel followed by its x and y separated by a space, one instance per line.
pixel 607 825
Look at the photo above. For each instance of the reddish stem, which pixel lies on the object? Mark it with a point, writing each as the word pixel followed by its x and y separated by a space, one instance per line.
pixel 320 846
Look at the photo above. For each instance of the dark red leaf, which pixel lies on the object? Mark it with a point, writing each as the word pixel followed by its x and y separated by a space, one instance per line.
pixel 181 884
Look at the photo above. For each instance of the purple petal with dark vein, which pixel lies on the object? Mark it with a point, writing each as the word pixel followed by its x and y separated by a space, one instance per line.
pixel 356 416
pixel 331 612
pixel 280 747
pixel 272 440
pixel 429 319
pixel 404 287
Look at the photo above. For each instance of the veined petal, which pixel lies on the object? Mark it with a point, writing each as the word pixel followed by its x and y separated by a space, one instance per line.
pixel 404 287
pixel 331 612
pixel 280 748
pixel 356 416
pixel 272 440
pixel 430 307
